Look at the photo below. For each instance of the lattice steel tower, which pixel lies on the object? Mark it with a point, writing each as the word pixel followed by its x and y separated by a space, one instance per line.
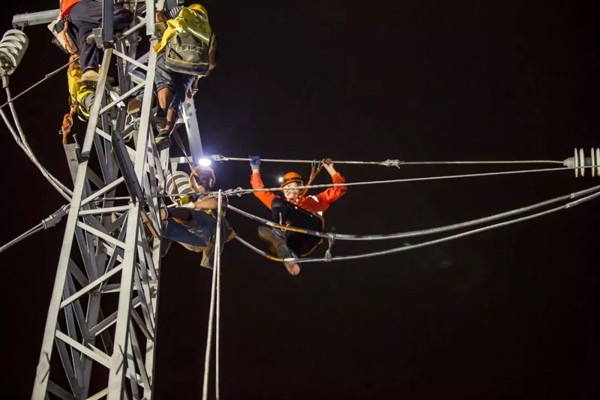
pixel 102 319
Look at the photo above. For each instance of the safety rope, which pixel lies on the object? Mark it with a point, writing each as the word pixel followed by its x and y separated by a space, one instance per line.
pixel 427 243
pixel 67 123
pixel 192 181
pixel 315 168
pixel 215 303
pixel 421 232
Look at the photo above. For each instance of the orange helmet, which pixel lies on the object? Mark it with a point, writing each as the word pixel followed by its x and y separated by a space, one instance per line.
pixel 291 177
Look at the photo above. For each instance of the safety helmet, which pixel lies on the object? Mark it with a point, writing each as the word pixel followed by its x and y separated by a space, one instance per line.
pixel 203 176
pixel 291 177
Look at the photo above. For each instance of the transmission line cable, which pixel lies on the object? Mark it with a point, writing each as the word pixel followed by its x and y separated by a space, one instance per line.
pixel 421 232
pixel 391 162
pixel 427 243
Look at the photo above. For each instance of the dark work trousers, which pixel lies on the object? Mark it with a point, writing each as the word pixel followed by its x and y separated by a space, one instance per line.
pixel 85 16
pixel 299 243
pixel 179 84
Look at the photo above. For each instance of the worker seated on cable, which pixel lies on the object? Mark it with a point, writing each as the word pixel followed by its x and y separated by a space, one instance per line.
pixel 193 224
pixel 82 17
pixel 186 52
pixel 295 209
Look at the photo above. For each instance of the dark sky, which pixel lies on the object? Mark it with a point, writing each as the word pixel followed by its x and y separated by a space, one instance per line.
pixel 508 314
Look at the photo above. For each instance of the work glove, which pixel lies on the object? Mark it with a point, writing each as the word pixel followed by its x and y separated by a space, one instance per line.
pixel 254 162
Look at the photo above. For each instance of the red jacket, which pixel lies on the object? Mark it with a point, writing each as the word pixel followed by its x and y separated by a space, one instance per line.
pixel 315 204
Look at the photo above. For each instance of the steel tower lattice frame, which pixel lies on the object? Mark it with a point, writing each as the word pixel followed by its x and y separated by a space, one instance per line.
pixel 102 318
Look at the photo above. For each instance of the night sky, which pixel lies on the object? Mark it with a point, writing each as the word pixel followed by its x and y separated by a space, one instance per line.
pixel 512 313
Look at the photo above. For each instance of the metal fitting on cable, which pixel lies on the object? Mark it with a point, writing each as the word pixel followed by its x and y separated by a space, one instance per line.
pixel 391 163
pixel 55 217
pixel 12 48
pixel 579 162
pixel 218 157
pixel 238 191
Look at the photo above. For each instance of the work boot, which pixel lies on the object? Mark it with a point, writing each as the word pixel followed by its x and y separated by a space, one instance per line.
pixel 134 106
pixel 283 251
pixel 162 141
pixel 272 237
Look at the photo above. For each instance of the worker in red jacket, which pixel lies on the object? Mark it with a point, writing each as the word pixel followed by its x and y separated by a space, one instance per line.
pixel 295 209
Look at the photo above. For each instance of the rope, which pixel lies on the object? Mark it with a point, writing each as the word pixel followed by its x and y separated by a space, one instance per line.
pixel 391 163
pixel 67 123
pixel 427 243
pixel 215 298
pixel 422 232
pixel 315 168
pixel 217 268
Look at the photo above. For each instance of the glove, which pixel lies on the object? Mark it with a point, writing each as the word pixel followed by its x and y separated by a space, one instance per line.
pixel 254 162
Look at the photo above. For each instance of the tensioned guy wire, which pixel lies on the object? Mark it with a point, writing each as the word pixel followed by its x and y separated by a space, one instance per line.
pixel 45 78
pixel 48 222
pixel 390 162
pixel 241 191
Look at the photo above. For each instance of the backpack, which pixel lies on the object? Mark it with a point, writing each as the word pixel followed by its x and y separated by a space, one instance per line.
pixel 187 51
pixel 187 55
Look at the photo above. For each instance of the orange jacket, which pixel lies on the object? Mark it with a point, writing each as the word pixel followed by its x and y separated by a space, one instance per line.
pixel 315 204
pixel 66 5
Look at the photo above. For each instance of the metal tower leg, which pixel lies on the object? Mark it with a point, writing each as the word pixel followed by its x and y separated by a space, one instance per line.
pixel 103 310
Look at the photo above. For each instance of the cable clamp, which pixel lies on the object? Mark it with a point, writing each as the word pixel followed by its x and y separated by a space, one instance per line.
pixel 239 192
pixel 55 217
pixel 330 240
pixel 391 163
pixel 218 158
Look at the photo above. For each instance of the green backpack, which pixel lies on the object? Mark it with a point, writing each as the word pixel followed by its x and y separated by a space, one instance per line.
pixel 187 52
pixel 188 55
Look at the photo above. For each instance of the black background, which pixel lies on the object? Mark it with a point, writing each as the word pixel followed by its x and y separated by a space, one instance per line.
pixel 507 314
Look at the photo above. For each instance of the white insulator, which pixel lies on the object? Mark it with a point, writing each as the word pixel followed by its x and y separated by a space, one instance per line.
pixel 178 184
pixel 579 162
pixel 12 48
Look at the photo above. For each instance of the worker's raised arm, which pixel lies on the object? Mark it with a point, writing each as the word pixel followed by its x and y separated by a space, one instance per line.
pixel 332 194
pixel 256 181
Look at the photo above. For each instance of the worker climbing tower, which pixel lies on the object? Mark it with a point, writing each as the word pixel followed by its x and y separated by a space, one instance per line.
pixel 100 334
